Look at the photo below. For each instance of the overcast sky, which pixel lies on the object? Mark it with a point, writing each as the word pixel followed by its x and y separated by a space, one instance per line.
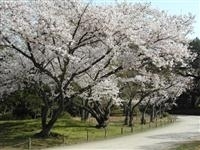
pixel 172 6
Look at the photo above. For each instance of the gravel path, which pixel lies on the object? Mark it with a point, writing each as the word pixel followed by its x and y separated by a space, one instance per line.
pixel 186 128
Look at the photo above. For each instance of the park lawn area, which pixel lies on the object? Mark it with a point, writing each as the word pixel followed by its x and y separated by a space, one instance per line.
pixel 189 146
pixel 16 134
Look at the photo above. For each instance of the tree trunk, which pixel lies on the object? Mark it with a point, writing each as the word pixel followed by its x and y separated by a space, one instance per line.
pixel 152 116
pixel 84 113
pixel 44 115
pixel 4 111
pixel 126 120
pixel 143 120
pixel 156 113
pixel 131 119
pixel 45 132
pixel 99 112
pixel 47 126
pixel 103 115
pixel 130 109
pixel 102 123
pixel 102 119
pixel 162 110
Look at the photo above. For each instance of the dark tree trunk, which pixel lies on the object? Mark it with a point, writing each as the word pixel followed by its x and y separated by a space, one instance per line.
pixel 4 111
pixel 126 111
pixel 155 112
pixel 84 113
pixel 143 120
pixel 152 115
pixel 47 126
pixel 44 115
pixel 102 122
pixel 105 114
pixel 131 119
pixel 45 132
pixel 130 113
pixel 100 113
pixel 126 118
pixel 160 111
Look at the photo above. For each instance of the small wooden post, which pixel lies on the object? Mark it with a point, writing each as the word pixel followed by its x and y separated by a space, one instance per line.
pixel 105 135
pixel 3 144
pixel 63 139
pixel 87 134
pixel 29 143
pixel 131 129
pixel 156 122
pixel 122 130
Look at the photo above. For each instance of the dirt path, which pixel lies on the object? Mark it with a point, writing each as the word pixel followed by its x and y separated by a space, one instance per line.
pixel 186 128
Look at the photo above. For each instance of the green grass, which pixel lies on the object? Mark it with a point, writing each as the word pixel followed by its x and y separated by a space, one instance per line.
pixel 15 134
pixel 189 146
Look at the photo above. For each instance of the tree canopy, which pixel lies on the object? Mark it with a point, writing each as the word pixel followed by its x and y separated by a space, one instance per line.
pixel 66 48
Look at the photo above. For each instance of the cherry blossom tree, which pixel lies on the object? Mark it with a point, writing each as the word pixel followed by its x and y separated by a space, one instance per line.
pixel 100 98
pixel 59 49
pixel 66 48
pixel 151 90
pixel 164 98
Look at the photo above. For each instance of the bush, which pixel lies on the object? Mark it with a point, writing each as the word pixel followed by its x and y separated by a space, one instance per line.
pixel 66 115
pixel 165 114
pixel 7 116
pixel 116 111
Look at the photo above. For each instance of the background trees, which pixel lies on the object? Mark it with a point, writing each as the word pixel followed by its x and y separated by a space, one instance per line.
pixel 81 52
pixel 190 98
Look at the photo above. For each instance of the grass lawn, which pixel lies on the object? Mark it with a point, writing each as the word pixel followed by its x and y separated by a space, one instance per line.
pixel 15 134
pixel 189 146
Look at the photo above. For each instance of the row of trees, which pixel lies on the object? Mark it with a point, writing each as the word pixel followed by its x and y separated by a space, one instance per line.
pixel 93 57
pixel 190 99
